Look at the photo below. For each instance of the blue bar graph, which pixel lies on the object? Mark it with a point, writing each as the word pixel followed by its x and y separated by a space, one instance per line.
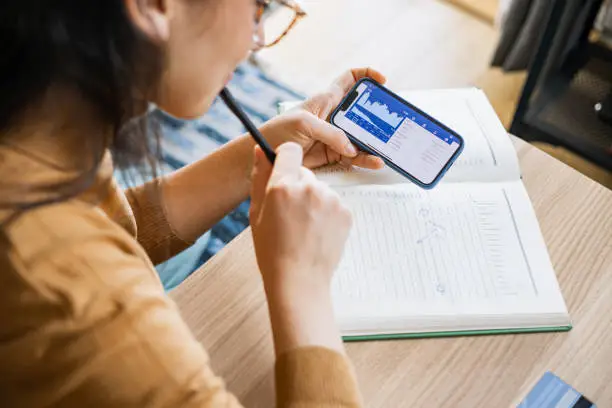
pixel 381 115
pixel 377 113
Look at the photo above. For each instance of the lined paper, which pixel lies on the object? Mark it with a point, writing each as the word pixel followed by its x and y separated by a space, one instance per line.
pixel 449 244
pixel 467 255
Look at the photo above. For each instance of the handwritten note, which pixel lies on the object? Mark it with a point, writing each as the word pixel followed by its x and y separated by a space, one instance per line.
pixel 451 244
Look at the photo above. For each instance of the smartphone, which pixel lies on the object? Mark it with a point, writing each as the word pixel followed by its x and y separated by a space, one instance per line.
pixel 408 140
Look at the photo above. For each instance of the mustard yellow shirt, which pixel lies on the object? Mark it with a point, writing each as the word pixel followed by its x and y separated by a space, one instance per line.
pixel 85 322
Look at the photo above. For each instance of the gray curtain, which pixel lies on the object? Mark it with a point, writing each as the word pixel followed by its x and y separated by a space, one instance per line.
pixel 521 29
pixel 523 25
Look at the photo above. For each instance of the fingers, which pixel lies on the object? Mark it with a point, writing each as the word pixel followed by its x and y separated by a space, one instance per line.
pixel 262 169
pixel 307 176
pixel 346 81
pixel 328 195
pixel 368 72
pixel 287 170
pixel 367 161
pixel 323 104
pixel 331 136
pixel 287 164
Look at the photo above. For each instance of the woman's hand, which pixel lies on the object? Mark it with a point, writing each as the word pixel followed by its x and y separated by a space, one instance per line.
pixel 299 224
pixel 306 125
pixel 299 229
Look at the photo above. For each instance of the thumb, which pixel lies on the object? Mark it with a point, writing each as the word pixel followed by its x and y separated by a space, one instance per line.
pixel 288 163
pixel 262 169
pixel 330 136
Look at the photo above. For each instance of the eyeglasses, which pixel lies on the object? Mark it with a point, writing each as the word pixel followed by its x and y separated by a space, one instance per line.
pixel 274 19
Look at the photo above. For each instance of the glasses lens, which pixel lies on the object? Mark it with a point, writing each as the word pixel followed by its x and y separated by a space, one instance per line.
pixel 276 23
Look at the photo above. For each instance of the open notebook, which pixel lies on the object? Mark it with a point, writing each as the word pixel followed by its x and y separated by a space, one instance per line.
pixel 467 257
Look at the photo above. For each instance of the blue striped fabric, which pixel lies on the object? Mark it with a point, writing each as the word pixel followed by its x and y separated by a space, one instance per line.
pixel 186 141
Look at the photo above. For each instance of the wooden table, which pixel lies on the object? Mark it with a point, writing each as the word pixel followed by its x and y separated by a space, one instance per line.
pixel 224 304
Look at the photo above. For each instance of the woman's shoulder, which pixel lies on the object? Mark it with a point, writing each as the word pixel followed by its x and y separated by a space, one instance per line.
pixel 59 226
pixel 68 245
pixel 79 302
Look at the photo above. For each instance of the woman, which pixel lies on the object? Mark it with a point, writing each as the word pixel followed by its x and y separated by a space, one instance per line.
pixel 84 321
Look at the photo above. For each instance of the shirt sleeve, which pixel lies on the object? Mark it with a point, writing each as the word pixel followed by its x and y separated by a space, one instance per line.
pixel 154 232
pixel 93 326
pixel 86 323
pixel 310 377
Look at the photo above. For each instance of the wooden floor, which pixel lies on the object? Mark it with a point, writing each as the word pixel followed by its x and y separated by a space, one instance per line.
pixel 484 9
pixel 418 44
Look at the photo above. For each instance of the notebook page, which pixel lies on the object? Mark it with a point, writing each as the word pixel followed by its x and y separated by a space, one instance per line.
pixel 488 154
pixel 458 249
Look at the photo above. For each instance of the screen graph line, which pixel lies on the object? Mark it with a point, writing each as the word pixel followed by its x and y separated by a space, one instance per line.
pixel 382 115
pixel 377 113
pixel 380 110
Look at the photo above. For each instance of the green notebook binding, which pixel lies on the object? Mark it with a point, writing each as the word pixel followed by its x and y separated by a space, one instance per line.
pixel 398 336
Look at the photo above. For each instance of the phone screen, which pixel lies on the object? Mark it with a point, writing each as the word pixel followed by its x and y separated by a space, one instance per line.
pixel 409 140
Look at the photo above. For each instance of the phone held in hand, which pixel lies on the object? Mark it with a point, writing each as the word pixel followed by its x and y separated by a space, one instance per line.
pixel 409 141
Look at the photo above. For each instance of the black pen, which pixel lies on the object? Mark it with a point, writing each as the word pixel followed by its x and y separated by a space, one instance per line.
pixel 246 122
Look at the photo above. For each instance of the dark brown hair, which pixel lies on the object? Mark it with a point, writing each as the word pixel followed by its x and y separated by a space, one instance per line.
pixel 90 46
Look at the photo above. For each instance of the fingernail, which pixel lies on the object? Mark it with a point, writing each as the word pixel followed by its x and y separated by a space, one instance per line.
pixel 350 149
pixel 377 161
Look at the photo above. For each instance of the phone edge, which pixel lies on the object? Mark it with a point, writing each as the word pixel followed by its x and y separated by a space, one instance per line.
pixel 388 162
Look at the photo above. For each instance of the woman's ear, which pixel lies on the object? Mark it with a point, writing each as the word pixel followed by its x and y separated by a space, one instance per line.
pixel 151 17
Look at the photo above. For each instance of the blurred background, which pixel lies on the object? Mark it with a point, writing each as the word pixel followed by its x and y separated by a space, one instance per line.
pixel 546 66
pixel 421 44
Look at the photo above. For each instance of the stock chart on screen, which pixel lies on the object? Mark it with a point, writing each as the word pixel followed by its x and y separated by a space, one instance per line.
pixel 383 116
pixel 377 113
pixel 399 132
